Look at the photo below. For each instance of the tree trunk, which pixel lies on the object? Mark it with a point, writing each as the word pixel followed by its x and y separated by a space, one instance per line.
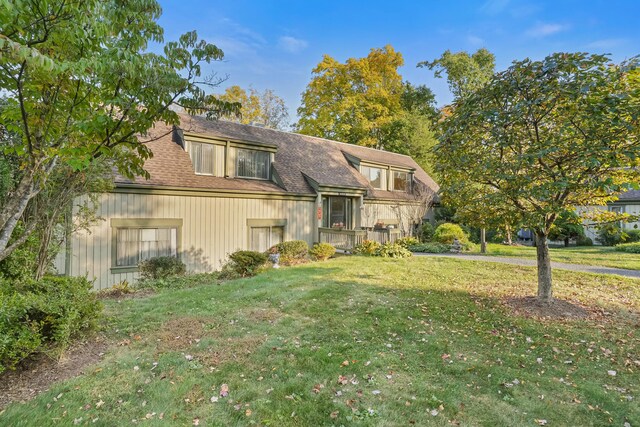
pixel 566 242
pixel 483 240
pixel 13 210
pixel 507 230
pixel 544 268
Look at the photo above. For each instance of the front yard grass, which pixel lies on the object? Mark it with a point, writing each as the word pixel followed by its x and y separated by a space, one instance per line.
pixel 604 256
pixel 361 341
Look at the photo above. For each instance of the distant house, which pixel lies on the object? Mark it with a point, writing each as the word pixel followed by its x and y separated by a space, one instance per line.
pixel 628 202
pixel 216 187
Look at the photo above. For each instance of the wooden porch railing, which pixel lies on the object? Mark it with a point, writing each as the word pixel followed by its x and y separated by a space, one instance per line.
pixel 348 239
pixel 342 239
pixel 384 236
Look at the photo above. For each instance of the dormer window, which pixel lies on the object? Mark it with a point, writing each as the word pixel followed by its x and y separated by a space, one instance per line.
pixel 202 157
pixel 376 176
pixel 401 181
pixel 253 164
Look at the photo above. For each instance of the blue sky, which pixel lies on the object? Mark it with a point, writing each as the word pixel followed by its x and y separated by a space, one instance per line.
pixel 276 44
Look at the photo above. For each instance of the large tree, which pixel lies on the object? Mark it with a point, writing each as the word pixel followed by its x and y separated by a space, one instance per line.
pixel 465 73
pixel 365 102
pixel 543 137
pixel 265 108
pixel 81 86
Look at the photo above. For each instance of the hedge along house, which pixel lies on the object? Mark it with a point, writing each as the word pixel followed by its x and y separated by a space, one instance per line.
pixel 216 187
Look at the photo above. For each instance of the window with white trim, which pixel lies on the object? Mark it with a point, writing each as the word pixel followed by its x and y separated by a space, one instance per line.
pixel 253 163
pixel 376 176
pixel 262 238
pixel 202 157
pixel 401 181
pixel 141 243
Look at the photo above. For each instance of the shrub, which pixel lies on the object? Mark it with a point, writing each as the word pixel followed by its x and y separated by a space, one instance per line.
pixel 367 247
pixel 243 264
pixel 117 290
pixel 426 232
pixel 633 248
pixel 43 315
pixel 164 266
pixel 611 235
pixel 322 251
pixel 447 232
pixel 405 242
pixel 430 247
pixel 292 252
pixel 393 250
pixel 634 236
pixel 584 241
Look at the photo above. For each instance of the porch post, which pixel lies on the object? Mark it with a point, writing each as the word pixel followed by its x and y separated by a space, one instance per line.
pixel 318 214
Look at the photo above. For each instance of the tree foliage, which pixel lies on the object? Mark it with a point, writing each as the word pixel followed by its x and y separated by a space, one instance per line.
pixel 541 138
pixel 81 86
pixel 567 226
pixel 465 73
pixel 365 102
pixel 264 108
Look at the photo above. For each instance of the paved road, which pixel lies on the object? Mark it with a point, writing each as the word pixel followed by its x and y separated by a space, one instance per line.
pixel 532 263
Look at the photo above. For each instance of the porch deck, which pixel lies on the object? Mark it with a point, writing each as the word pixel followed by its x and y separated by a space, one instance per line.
pixel 349 239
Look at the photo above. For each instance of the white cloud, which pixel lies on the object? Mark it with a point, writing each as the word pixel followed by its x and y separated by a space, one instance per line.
pixel 544 30
pixel 242 31
pixel 475 40
pixel 493 7
pixel 292 44
pixel 606 43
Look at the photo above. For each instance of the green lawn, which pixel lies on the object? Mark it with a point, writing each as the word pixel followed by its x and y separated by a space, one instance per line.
pixel 589 255
pixel 360 341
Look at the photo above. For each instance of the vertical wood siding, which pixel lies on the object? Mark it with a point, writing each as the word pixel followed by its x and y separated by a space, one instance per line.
pixel 373 212
pixel 212 228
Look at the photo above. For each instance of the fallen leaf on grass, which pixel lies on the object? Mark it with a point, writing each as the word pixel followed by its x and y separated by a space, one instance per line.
pixel 334 414
pixel 224 390
pixel 316 388
pixel 541 422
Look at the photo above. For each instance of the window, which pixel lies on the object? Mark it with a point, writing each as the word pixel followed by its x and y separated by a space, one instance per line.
pixel 201 157
pixel 336 212
pixel 400 181
pixel 374 175
pixel 253 164
pixel 617 210
pixel 262 238
pixel 138 244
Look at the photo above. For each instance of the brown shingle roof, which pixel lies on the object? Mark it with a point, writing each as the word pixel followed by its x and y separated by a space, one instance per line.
pixel 297 155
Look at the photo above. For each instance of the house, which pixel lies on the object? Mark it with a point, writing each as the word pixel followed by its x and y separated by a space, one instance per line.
pixel 216 187
pixel 628 202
